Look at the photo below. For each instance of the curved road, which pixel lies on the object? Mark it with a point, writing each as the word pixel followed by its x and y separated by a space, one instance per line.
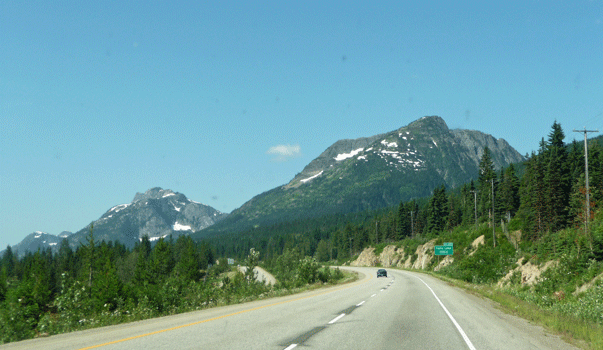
pixel 407 310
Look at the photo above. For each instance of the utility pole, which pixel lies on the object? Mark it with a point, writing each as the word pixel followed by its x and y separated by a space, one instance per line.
pixel 475 205
pixel 493 222
pixel 376 232
pixel 586 177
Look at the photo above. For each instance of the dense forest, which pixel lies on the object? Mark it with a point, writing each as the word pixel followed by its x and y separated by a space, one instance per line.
pixel 102 283
pixel 542 195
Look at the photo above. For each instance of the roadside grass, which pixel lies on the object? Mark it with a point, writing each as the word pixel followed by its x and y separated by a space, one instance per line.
pixel 227 288
pixel 579 332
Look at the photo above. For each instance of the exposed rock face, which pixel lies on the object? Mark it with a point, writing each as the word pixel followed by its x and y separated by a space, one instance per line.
pixel 423 256
pixel 588 285
pixel 445 262
pixel 366 258
pixel 476 243
pixel 530 273
pixel 391 256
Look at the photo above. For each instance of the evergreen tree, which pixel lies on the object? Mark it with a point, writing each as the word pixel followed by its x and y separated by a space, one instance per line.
pixel 89 259
pixel 406 211
pixel 595 172
pixel 322 251
pixel 65 261
pixel 3 284
pixel 107 287
pixel 188 264
pixel 533 202
pixel 9 261
pixel 455 212
pixel 508 195
pixel 484 180
pixel 469 206
pixel 162 260
pixel 34 292
pixel 437 210
pixel 575 159
pixel 556 181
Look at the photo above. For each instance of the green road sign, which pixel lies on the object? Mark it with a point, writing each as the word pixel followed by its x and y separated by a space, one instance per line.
pixel 448 244
pixel 442 250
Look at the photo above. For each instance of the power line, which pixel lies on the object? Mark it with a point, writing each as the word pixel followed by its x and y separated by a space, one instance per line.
pixel 586 176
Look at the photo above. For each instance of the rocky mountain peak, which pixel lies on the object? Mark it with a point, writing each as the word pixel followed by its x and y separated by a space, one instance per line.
pixel 430 123
pixel 153 193
pixel 375 172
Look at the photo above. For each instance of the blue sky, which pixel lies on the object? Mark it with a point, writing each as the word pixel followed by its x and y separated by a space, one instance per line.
pixel 223 101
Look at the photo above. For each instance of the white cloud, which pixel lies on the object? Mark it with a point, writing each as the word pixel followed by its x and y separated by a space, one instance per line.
pixel 284 152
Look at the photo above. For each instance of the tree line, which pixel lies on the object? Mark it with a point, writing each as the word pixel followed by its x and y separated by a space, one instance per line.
pixel 44 292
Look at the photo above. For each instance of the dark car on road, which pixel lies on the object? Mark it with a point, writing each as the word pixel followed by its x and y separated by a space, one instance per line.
pixel 381 273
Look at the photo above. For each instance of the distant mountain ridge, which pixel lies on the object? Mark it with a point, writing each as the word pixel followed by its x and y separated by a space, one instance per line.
pixel 374 172
pixel 155 213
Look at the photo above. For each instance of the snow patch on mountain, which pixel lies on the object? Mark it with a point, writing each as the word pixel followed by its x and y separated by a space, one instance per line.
pixel 312 177
pixel 179 227
pixel 120 207
pixel 343 156
pixel 153 239
pixel 389 144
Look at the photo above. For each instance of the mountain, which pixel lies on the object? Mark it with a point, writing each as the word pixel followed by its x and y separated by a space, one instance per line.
pixel 374 172
pixel 156 213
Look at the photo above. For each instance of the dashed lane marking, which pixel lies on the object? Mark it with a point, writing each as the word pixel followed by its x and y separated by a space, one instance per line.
pixel 336 319
pixel 220 317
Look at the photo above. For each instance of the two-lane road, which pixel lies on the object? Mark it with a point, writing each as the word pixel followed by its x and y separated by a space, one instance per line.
pixel 404 311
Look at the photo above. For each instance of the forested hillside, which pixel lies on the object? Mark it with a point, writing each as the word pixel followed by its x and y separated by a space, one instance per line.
pixel 373 173
pixel 547 197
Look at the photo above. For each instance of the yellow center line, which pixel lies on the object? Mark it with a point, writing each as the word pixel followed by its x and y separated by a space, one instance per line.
pixel 219 317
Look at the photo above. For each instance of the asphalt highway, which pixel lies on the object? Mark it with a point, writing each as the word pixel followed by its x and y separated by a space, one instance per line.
pixel 406 310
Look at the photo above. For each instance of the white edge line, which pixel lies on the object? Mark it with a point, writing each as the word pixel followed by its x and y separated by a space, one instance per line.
pixel 336 319
pixel 290 346
pixel 458 327
pixel 362 302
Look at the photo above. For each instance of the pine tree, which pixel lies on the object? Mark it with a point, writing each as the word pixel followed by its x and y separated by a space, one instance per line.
pixel 3 284
pixel 65 261
pixel 322 251
pixel 162 260
pixel 89 259
pixel 508 195
pixel 437 210
pixel 455 212
pixel 107 287
pixel 595 172
pixel 556 181
pixel 532 196
pixel 469 203
pixel 188 264
pixel 9 261
pixel 484 180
